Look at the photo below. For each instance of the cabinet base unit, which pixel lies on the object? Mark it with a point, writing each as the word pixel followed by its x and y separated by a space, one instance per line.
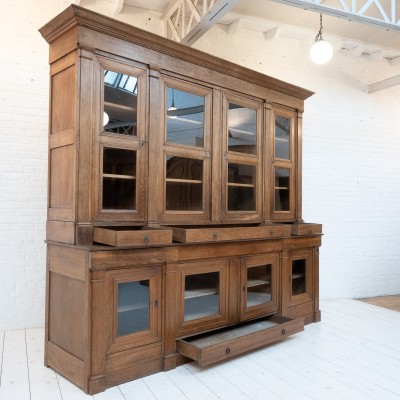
pixel 174 222
pixel 117 314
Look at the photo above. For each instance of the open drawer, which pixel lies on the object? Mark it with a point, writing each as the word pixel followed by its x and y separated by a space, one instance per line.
pixel 220 345
pixel 119 236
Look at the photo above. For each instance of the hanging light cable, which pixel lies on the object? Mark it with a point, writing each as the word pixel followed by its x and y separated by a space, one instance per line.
pixel 321 51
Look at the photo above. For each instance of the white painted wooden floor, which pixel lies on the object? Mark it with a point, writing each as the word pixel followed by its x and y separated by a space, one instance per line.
pixel 354 353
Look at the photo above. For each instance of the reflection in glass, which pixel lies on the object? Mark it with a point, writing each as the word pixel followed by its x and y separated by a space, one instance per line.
pixel 282 137
pixel 298 277
pixel 259 285
pixel 185 118
pixel 133 307
pixel 119 179
pixel 282 189
pixel 184 184
pixel 201 295
pixel 242 129
pixel 120 103
pixel 241 187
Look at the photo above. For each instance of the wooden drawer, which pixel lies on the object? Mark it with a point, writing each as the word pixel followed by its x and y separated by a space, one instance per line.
pixel 132 236
pixel 216 346
pixel 196 234
pixel 306 229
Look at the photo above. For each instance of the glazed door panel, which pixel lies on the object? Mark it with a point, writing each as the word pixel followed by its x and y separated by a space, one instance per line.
pixel 241 182
pixel 259 285
pixel 202 296
pixel 121 155
pixel 185 160
pixel 299 277
pixel 283 182
pixel 135 297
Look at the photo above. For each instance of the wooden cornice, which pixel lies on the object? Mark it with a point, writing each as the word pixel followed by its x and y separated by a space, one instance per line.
pixel 78 16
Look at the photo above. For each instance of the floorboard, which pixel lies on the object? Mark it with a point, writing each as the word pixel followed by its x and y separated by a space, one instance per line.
pixel 352 354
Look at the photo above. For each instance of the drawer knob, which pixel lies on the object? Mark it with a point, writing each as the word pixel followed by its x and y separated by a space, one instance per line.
pixel 228 350
pixel 283 331
pixel 146 238
pixel 215 236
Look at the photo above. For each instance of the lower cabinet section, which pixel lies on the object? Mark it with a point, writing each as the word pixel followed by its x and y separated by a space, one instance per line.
pixel 118 314
pixel 217 346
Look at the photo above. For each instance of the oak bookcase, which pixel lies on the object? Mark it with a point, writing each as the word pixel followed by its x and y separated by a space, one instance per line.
pixel 175 227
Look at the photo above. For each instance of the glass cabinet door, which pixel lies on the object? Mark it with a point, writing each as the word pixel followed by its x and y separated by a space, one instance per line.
pixel 259 285
pixel 187 155
pixel 136 307
pixel 283 196
pixel 122 145
pixel 203 295
pixel 300 277
pixel 241 172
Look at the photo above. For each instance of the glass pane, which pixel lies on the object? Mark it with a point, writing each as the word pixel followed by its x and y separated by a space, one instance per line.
pixel 120 103
pixel 201 295
pixel 259 285
pixel 133 307
pixel 298 277
pixel 282 137
pixel 119 179
pixel 242 129
pixel 241 187
pixel 185 118
pixel 282 189
pixel 184 184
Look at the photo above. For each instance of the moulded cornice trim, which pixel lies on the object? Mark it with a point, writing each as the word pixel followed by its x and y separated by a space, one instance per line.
pixel 78 16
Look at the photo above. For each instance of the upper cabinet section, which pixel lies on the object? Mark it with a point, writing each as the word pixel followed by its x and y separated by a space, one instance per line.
pixel 145 131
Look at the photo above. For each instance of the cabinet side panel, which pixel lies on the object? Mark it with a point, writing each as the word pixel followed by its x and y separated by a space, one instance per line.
pixel 61 177
pixel 66 315
pixel 63 100
pixel 62 139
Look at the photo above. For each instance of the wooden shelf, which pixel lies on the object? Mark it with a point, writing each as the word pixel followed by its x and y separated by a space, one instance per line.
pixel 257 282
pixel 116 176
pixel 281 188
pixel 173 180
pixel 241 185
pixel 119 106
pixel 190 294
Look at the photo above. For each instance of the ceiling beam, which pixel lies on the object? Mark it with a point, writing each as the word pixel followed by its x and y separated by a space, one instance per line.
pixel 187 20
pixel 385 84
pixel 118 5
pixel 347 9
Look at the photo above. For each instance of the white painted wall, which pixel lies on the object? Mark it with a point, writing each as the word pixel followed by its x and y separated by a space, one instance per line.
pixel 351 156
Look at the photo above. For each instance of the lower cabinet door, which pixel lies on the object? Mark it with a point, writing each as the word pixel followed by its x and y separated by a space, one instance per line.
pixel 202 296
pixel 299 278
pixel 136 308
pixel 259 285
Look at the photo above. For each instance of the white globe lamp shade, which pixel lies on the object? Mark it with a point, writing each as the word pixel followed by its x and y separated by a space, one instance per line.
pixel 106 118
pixel 321 52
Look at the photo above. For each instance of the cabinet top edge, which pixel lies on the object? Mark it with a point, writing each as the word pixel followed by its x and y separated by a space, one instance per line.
pixel 76 16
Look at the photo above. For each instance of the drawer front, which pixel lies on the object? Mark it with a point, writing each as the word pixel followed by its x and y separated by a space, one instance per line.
pixel 306 229
pixel 218 233
pixel 222 345
pixel 120 237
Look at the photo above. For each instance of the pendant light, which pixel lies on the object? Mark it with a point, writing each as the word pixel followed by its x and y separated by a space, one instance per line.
pixel 321 51
pixel 172 108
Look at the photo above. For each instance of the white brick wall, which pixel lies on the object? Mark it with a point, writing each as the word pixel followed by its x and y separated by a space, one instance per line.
pixel 351 156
